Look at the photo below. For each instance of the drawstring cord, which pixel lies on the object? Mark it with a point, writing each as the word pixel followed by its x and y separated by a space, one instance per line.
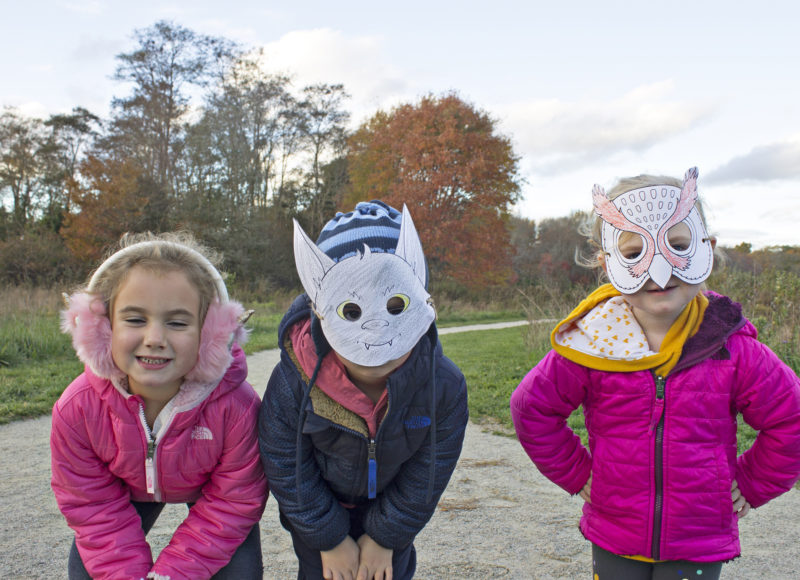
pixel 299 435
pixel 432 469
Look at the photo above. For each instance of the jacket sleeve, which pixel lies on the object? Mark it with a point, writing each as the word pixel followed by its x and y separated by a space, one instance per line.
pixel 317 516
pixel 768 396
pixel 231 502
pixel 95 503
pixel 540 406
pixel 403 508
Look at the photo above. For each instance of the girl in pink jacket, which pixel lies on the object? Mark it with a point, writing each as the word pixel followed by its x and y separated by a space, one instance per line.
pixel 662 369
pixel 162 414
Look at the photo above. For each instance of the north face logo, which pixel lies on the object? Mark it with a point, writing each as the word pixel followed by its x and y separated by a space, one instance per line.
pixel 417 422
pixel 202 433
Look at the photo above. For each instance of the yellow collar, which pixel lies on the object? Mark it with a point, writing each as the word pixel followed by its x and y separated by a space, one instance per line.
pixel 602 333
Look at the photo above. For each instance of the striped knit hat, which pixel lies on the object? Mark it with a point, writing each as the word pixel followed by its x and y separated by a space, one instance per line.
pixel 371 222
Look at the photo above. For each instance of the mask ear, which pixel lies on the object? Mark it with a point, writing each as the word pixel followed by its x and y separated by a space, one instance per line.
pixel 410 248
pixel 312 263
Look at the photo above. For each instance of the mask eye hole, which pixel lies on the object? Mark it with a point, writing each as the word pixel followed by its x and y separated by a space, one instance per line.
pixel 349 311
pixel 680 238
pixel 397 304
pixel 631 247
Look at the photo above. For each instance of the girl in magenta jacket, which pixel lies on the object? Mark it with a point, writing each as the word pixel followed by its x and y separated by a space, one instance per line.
pixel 162 414
pixel 662 369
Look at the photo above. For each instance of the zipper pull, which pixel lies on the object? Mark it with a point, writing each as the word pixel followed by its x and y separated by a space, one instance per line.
pixel 149 469
pixel 658 407
pixel 372 478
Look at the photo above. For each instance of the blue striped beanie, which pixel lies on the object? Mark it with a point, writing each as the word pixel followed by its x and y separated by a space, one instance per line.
pixel 371 222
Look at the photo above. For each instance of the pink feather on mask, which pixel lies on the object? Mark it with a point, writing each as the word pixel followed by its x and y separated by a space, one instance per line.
pixel 609 213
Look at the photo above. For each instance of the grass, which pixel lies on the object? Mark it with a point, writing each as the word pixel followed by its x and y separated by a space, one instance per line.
pixel 37 361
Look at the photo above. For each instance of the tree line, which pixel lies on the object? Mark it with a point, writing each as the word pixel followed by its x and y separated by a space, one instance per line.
pixel 207 139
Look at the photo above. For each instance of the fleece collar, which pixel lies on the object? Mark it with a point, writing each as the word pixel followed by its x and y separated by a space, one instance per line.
pixel 602 333
pixel 333 380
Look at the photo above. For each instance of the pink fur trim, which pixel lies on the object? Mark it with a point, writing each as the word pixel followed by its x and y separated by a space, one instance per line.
pixel 220 329
pixel 85 319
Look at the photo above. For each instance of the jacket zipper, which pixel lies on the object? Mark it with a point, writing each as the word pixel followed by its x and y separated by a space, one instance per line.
pixel 661 383
pixel 372 458
pixel 150 473
pixel 372 470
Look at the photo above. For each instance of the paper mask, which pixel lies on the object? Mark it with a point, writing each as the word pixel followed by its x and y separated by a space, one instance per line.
pixel 373 307
pixel 650 212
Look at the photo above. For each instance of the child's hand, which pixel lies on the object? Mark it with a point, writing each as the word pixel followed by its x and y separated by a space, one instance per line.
pixel 586 492
pixel 375 562
pixel 740 505
pixel 341 562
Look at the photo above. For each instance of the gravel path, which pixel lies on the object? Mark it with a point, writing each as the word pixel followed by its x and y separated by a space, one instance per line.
pixel 499 518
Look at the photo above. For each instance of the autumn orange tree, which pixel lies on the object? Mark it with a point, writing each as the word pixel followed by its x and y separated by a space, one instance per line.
pixel 459 177
pixel 106 202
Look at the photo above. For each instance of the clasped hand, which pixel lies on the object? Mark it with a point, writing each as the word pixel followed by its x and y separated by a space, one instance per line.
pixel 365 560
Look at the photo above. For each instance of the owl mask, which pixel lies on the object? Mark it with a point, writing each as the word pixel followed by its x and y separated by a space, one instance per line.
pixel 650 212
pixel 373 307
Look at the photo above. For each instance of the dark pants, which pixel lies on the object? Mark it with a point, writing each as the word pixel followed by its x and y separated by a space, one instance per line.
pixel 245 563
pixel 608 566
pixel 404 562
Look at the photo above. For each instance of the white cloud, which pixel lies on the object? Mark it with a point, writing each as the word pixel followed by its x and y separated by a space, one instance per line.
pixel 86 7
pixel 328 56
pixel 765 163
pixel 561 135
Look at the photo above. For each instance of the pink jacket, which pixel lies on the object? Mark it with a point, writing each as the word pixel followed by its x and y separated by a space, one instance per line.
pixel 206 453
pixel 679 432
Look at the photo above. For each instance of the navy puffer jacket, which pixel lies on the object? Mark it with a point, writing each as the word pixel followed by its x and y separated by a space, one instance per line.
pixel 315 469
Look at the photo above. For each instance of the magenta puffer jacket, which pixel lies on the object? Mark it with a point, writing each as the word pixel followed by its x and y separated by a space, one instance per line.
pixel 662 452
pixel 207 454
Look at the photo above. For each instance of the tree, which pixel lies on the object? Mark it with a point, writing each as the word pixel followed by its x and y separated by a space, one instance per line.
pixel 241 132
pixel 146 125
pixel 444 159
pixel 107 201
pixel 323 131
pixel 62 151
pixel 21 138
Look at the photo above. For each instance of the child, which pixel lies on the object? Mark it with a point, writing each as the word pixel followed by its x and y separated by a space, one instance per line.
pixel 363 419
pixel 662 369
pixel 161 414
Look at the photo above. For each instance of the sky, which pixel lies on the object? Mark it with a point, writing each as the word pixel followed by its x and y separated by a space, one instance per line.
pixel 588 92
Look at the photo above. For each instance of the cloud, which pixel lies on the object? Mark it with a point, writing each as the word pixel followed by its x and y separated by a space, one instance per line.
pixel 765 163
pixel 91 49
pixel 328 56
pixel 86 7
pixel 561 135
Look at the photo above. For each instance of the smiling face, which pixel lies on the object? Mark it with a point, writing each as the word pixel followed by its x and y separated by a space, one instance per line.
pixel 155 331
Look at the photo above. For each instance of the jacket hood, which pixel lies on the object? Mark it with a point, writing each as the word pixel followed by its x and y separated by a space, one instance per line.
pixel 86 320
pixel 723 317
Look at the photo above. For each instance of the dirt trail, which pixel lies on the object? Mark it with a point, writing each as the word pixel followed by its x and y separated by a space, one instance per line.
pixel 499 518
